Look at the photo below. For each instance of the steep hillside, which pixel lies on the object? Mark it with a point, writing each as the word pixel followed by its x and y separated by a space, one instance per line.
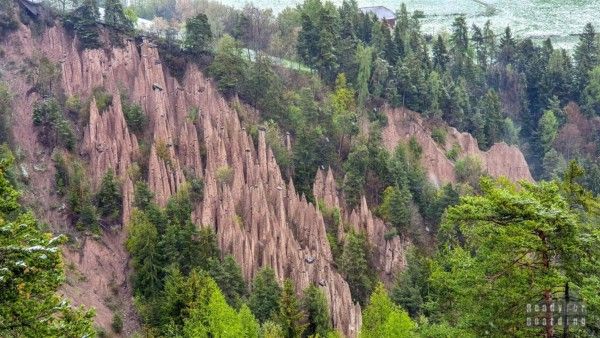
pixel 278 228
pixel 500 160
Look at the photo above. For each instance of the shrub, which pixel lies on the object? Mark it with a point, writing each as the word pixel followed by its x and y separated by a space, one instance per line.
pixel 8 21
pixel 469 170
pixel 453 153
pixel 224 175
pixel 54 128
pixel 196 190
pixel 103 98
pixel 117 323
pixel 5 113
pixel 162 151
pixel 61 176
pixel 73 105
pixel 134 115
pixel 439 136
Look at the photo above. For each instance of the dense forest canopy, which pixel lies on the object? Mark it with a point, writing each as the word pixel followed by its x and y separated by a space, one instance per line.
pixel 324 76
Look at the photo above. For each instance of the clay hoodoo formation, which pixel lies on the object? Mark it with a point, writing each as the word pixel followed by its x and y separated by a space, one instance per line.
pixel 258 217
pixel 500 160
pixel 389 254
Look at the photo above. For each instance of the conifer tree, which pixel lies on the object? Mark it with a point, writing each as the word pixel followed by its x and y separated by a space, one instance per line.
pixel 31 273
pixel 264 299
pixel 315 307
pixel 290 317
pixel 198 35
pixel 587 55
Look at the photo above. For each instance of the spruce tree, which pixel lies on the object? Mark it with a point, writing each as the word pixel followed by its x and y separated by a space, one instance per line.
pixel 115 17
pixel 440 55
pixel 198 35
pixel 109 198
pixel 315 306
pixel 84 20
pixel 290 316
pixel 587 55
pixel 264 299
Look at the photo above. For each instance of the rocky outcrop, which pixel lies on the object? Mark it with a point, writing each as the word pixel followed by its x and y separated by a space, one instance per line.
pixel 257 216
pixel 500 160
pixel 388 251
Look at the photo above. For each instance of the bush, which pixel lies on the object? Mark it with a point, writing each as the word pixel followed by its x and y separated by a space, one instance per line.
pixel 73 106
pixel 224 175
pixel 453 153
pixel 54 128
pixel 8 21
pixel 439 136
pixel 117 323
pixel 469 170
pixel 103 98
pixel 134 115
pixel 162 151
pixel 196 190
pixel 5 113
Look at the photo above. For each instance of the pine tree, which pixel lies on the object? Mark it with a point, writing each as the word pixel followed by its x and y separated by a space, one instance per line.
pixel 115 17
pixel 507 47
pixel 491 110
pixel 109 198
pixel 290 316
pixel 31 273
pixel 399 209
pixel 198 35
pixel 264 298
pixel 84 20
pixel 440 55
pixel 591 94
pixel 587 55
pixel 383 318
pixel 142 244
pixel 315 306
pixel 355 267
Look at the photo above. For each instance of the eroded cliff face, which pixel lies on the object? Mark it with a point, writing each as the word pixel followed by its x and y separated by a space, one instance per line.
pixel 258 218
pixel 500 160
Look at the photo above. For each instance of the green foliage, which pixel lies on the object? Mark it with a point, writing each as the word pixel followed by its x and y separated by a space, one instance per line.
pixel 591 94
pixel 229 67
pixel 198 36
pixel 5 113
pixel 547 129
pixel 468 170
pixel 382 318
pixel 454 152
pixel 224 175
pixel 8 19
pixel 316 309
pixel 439 136
pixel 411 289
pixel 117 323
pixel 103 98
pixel 80 200
pixel 396 208
pixel 355 266
pixel 115 17
pixel 31 274
pixel 514 246
pixel 135 117
pixel 54 129
pixel 264 300
pixel 109 198
pixel 142 244
pixel 83 21
pixel 290 317
pixel 228 276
